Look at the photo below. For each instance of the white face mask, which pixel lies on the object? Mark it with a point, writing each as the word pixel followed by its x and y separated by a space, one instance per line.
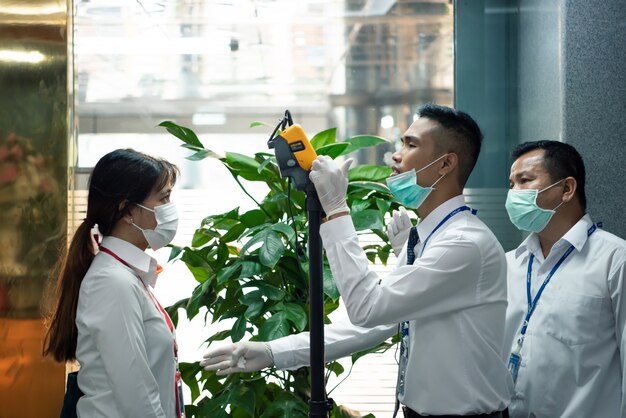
pixel 167 225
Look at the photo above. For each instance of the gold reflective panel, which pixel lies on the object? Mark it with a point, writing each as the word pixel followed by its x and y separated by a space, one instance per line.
pixel 34 144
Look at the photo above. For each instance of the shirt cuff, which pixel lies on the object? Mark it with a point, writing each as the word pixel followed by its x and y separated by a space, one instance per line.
pixel 337 230
pixel 283 352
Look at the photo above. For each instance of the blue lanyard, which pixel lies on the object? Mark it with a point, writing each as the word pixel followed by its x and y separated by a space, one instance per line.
pixel 532 303
pixel 444 220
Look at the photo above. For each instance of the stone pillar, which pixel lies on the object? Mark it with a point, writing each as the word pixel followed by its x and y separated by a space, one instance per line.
pixel 572 88
pixel 594 101
pixel 35 109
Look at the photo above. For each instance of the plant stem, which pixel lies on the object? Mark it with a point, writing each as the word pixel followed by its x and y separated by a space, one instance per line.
pixel 248 194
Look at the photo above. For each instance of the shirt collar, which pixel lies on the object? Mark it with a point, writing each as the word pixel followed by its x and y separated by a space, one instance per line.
pixel 141 263
pixel 429 223
pixel 576 236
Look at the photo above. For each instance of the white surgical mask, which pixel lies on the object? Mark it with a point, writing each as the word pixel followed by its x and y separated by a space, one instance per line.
pixel 167 225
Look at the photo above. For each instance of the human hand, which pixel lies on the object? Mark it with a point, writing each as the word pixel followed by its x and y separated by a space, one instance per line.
pixel 398 229
pixel 331 183
pixel 245 356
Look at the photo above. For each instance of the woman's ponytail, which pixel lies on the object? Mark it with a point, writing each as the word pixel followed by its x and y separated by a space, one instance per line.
pixel 73 264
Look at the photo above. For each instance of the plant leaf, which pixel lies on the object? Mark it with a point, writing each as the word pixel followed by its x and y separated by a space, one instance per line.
pixel 368 185
pixel 201 237
pixel 332 150
pixel 330 288
pixel 285 230
pixel 239 329
pixel 175 252
pixel 233 233
pixel 188 372
pixel 270 291
pixel 202 154
pixel 259 123
pixel 184 134
pixel 242 397
pixel 275 327
pixel 335 367
pixel 367 219
pixel 327 137
pixel 296 315
pixel 253 217
pixel 369 173
pixel 363 141
pixel 272 249
pixel 254 309
pixel 286 405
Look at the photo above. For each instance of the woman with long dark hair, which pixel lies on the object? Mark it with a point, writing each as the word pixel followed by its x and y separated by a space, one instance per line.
pixel 106 316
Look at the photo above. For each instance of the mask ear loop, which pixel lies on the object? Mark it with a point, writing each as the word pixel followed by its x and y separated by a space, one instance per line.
pixel 425 167
pixel 558 206
pixel 552 185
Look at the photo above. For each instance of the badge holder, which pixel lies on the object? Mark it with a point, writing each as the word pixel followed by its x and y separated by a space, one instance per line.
pixel 294 156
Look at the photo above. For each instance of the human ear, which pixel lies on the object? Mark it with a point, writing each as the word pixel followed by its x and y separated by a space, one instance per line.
pixel 123 209
pixel 449 163
pixel 569 189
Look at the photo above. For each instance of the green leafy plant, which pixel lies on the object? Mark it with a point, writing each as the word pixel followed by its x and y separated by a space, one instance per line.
pixel 252 270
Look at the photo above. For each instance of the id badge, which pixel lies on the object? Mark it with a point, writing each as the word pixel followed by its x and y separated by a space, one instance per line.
pixel 514 363
pixel 180 403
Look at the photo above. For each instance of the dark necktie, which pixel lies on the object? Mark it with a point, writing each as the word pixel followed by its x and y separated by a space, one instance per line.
pixel 404 337
pixel 410 250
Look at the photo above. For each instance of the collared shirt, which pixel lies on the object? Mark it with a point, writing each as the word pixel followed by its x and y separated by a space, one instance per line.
pixel 125 348
pixel 573 354
pixel 454 296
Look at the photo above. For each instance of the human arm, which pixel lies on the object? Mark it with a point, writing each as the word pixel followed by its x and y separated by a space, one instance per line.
pixel 291 352
pixel 443 280
pixel 112 312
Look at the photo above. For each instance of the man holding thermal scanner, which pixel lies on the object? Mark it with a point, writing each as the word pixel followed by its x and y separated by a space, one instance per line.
pixel 447 296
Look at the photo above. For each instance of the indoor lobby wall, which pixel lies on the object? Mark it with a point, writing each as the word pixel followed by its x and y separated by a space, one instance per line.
pixel 35 112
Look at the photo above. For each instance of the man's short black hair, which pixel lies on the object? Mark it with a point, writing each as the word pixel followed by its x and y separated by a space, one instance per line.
pixel 460 134
pixel 560 160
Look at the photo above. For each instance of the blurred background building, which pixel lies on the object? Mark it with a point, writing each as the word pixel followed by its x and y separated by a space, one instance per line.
pixel 79 78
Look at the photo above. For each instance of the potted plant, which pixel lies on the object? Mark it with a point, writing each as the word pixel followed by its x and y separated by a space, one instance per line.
pixel 252 269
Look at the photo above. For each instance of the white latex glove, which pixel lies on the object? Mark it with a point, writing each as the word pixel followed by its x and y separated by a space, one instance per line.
pixel 248 356
pixel 398 229
pixel 331 183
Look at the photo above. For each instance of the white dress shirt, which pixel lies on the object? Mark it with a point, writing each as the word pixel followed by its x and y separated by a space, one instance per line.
pixel 573 353
pixel 125 348
pixel 454 296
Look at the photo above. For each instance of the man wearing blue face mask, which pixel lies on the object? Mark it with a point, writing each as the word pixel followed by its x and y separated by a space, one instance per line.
pixel 447 295
pixel 567 311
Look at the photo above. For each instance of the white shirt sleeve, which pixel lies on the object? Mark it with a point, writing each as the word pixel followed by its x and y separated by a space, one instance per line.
pixel 443 280
pixel 617 290
pixel 115 319
pixel 340 340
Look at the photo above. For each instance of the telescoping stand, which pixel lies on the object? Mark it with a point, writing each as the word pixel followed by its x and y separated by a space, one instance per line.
pixel 294 156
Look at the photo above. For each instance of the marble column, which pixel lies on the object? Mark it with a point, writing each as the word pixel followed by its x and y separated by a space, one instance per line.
pixel 35 115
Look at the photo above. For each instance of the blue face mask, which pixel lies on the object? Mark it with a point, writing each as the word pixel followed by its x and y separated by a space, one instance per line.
pixel 525 214
pixel 405 189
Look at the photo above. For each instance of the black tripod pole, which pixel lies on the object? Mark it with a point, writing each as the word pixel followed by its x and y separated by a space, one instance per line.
pixel 318 405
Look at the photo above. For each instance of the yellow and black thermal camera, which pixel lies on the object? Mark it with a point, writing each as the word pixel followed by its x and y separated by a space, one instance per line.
pixel 294 153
